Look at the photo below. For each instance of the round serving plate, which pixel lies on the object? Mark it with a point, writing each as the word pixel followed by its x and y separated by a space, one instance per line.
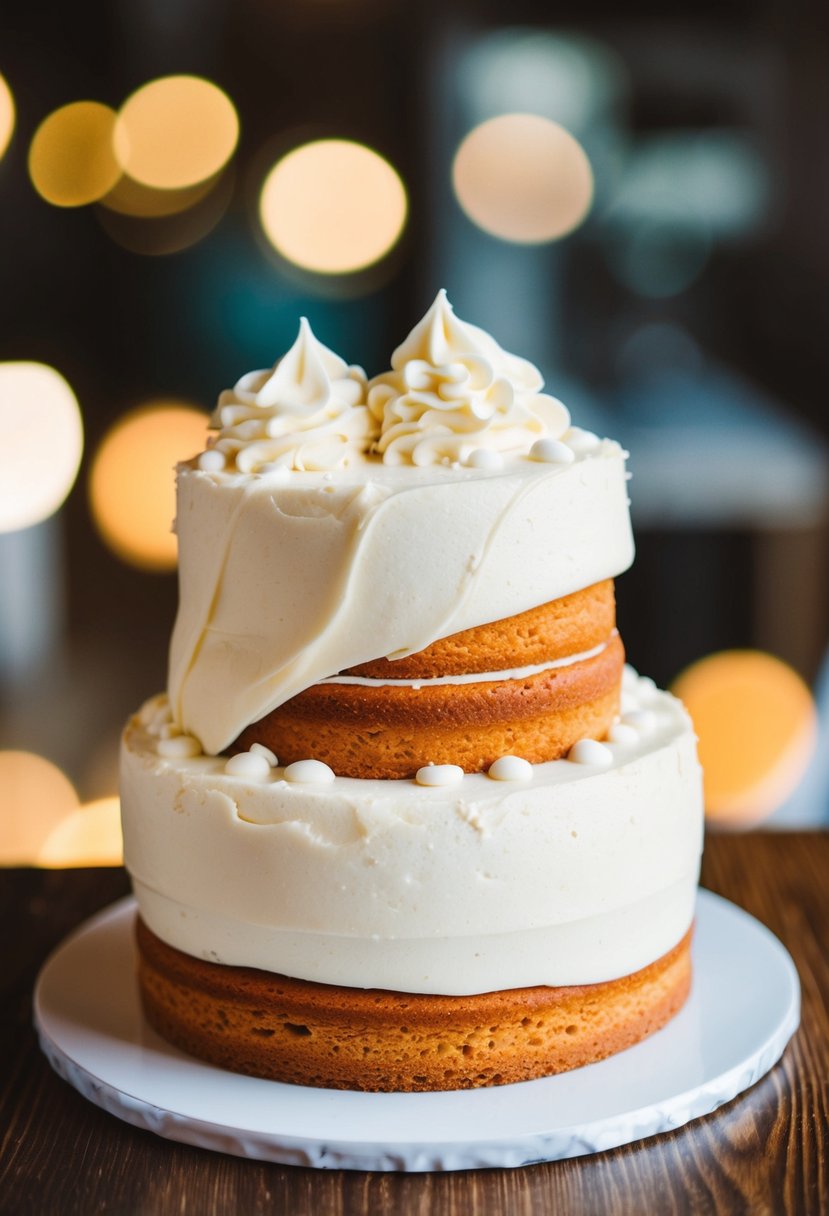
pixel 743 1009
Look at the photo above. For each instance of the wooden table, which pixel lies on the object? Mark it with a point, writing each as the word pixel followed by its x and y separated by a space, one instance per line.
pixel 765 1152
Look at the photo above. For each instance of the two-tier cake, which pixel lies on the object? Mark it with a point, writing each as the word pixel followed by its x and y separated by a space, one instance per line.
pixel 404 819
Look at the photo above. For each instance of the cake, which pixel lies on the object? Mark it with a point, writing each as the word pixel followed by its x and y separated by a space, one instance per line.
pixel 404 819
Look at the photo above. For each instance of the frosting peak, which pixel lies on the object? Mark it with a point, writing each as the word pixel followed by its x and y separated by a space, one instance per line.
pixel 307 412
pixel 452 389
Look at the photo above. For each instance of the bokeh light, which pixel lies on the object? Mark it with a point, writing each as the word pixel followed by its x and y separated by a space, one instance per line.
pixel 131 486
pixel 166 232
pixel 129 197
pixel 43 440
pixel 756 723
pixel 333 206
pixel 35 797
pixel 175 132
pixel 72 159
pixel 7 115
pixel 88 836
pixel 523 178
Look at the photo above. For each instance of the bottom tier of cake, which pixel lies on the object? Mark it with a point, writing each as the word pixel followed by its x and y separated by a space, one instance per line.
pixel 498 927
pixel 291 1030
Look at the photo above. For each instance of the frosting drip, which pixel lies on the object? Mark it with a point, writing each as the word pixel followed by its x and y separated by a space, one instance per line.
pixel 307 412
pixel 453 390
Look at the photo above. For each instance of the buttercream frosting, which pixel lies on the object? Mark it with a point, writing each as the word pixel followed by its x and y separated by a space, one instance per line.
pixel 307 412
pixel 576 875
pixel 285 583
pixel 452 390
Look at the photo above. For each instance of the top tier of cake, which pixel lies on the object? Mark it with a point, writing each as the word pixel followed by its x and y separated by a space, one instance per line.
pixel 334 521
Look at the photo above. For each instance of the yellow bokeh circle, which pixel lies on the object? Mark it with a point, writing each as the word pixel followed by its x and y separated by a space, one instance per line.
pixel 132 483
pixel 7 115
pixel 72 158
pixel 756 723
pixel 175 132
pixel 35 797
pixel 523 178
pixel 333 206
pixel 43 440
pixel 88 836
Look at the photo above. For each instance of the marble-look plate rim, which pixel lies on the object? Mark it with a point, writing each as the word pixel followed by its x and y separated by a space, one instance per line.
pixel 743 1009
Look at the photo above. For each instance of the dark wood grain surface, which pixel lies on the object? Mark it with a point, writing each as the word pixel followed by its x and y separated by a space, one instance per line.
pixel 763 1153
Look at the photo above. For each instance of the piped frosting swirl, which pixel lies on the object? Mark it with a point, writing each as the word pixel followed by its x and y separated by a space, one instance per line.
pixel 453 390
pixel 307 413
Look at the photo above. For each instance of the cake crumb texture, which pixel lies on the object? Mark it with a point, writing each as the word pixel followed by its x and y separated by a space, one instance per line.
pixel 326 1036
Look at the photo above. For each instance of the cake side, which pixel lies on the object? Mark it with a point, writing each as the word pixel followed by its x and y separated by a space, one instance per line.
pixel 578 874
pixel 313 1034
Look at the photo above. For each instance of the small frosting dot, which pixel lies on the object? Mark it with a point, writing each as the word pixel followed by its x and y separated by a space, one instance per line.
pixel 642 720
pixel 581 441
pixel 212 461
pixel 510 768
pixel 552 451
pixel 621 732
pixel 272 468
pixel 590 751
pixel 259 749
pixel 483 458
pixel 439 774
pixel 309 772
pixel 249 765
pixel 181 747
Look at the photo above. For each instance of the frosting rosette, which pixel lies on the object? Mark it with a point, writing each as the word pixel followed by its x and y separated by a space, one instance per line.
pixel 453 390
pixel 308 412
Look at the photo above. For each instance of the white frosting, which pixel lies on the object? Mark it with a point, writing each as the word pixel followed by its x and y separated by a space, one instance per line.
pixel 439 774
pixel 622 732
pixel 552 451
pixel 308 412
pixel 575 876
pixel 259 749
pixel 249 765
pixel 640 719
pixel 178 746
pixel 309 772
pixel 590 751
pixel 284 583
pixel 510 768
pixel 453 390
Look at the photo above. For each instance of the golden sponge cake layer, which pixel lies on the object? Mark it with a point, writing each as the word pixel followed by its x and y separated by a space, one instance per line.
pixel 387 731
pixel 323 1035
pixel 570 625
pixel 555 678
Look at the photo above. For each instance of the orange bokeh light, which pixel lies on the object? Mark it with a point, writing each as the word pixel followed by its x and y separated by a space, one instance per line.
pixel 132 487
pixel 35 797
pixel 72 159
pixel 175 132
pixel 756 722
pixel 333 206
pixel 7 115
pixel 523 178
pixel 87 836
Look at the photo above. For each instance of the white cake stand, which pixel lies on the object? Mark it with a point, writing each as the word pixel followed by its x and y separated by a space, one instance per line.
pixel 743 1010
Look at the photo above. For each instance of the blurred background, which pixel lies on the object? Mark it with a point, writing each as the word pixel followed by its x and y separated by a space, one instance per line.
pixel 636 204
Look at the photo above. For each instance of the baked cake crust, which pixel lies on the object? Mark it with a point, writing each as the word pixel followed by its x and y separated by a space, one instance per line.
pixel 390 731
pixel 326 1036
pixel 569 625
